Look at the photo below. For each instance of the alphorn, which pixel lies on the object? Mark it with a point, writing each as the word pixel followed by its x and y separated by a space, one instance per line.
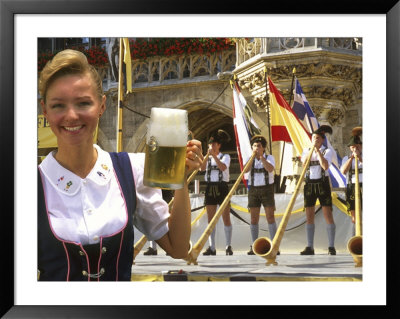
pixel 263 246
pixel 354 245
pixel 196 249
pixel 142 241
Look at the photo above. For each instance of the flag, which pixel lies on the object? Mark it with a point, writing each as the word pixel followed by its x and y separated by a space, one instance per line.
pixel 285 125
pixel 244 126
pixel 124 83
pixel 310 123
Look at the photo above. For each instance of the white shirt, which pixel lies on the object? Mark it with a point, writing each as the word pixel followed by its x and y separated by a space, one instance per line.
pixel 315 170
pixel 353 166
pixel 84 210
pixel 214 176
pixel 259 178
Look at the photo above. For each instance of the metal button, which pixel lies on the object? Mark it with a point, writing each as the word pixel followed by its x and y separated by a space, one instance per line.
pixel 102 271
pixel 103 250
pixel 81 253
pixel 96 238
pixel 84 272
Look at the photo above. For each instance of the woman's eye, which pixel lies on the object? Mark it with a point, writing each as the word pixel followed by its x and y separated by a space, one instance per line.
pixel 84 103
pixel 56 106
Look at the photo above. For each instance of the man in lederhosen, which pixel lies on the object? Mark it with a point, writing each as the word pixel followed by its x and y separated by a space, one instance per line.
pixel 217 178
pixel 317 186
pixel 261 192
pixel 348 169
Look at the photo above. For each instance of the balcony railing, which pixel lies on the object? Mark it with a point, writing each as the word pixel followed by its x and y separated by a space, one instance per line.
pixel 160 69
pixel 249 48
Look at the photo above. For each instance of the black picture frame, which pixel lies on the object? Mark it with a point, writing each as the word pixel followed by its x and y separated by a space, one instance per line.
pixel 10 8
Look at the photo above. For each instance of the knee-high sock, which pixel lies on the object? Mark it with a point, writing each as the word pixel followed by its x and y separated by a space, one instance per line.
pixel 228 235
pixel 254 232
pixel 211 240
pixel 310 230
pixel 331 229
pixel 272 230
pixel 153 244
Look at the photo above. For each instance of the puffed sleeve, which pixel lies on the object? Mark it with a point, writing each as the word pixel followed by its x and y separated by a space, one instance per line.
pixel 344 160
pixel 271 160
pixel 226 160
pixel 328 156
pixel 304 155
pixel 151 215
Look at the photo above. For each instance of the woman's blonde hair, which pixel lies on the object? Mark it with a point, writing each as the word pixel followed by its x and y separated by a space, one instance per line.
pixel 68 62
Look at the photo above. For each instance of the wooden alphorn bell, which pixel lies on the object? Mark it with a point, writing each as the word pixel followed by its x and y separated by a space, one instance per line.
pixel 142 241
pixel 354 245
pixel 263 246
pixel 196 249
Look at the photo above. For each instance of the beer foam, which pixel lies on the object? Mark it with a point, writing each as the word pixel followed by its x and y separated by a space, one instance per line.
pixel 168 126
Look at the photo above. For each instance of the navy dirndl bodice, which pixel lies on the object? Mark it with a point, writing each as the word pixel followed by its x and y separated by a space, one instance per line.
pixel 109 260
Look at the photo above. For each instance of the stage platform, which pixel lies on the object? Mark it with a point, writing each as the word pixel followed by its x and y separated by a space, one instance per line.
pixel 243 267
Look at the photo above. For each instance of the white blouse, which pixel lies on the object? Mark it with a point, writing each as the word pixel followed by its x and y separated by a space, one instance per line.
pixel 214 176
pixel 259 178
pixel 316 170
pixel 84 210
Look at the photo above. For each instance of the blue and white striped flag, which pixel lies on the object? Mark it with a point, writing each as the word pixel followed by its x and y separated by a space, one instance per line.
pixel 307 117
pixel 244 126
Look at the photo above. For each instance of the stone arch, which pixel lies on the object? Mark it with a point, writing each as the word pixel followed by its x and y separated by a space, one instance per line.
pixel 203 120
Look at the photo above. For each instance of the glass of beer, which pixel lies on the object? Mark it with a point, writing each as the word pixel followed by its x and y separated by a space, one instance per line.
pixel 166 140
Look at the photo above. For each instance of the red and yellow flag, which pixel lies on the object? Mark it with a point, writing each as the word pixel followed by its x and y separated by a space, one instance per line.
pixel 285 125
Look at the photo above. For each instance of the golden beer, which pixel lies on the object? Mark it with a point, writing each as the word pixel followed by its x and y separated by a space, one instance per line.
pixel 166 141
pixel 165 168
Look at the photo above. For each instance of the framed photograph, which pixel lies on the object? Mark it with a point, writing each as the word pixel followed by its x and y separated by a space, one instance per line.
pixel 23 22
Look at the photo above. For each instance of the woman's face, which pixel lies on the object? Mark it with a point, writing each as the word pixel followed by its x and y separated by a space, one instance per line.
pixel 73 109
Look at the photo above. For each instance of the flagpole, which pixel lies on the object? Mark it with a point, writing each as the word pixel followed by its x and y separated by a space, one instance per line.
pixel 268 110
pixel 120 98
pixel 284 143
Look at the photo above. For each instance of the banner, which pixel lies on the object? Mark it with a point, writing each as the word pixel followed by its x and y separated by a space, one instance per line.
pixel 306 116
pixel 285 125
pixel 244 126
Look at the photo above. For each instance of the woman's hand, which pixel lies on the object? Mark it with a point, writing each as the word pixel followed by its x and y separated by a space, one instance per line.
pixel 194 156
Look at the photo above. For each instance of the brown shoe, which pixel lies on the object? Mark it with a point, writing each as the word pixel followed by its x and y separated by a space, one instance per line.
pixel 150 252
pixel 209 252
pixel 307 251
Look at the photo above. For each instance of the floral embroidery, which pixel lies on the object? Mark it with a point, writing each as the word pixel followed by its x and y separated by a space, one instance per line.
pixel 68 186
pixel 60 180
pixel 101 175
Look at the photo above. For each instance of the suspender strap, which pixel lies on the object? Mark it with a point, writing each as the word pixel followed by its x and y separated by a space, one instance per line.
pixel 315 163
pixel 123 169
pixel 258 170
pixel 214 168
pixel 351 172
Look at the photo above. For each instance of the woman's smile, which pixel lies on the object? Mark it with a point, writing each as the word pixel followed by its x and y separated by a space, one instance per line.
pixel 73 109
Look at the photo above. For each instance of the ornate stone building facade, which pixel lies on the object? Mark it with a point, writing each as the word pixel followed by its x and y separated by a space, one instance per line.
pixel 329 70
